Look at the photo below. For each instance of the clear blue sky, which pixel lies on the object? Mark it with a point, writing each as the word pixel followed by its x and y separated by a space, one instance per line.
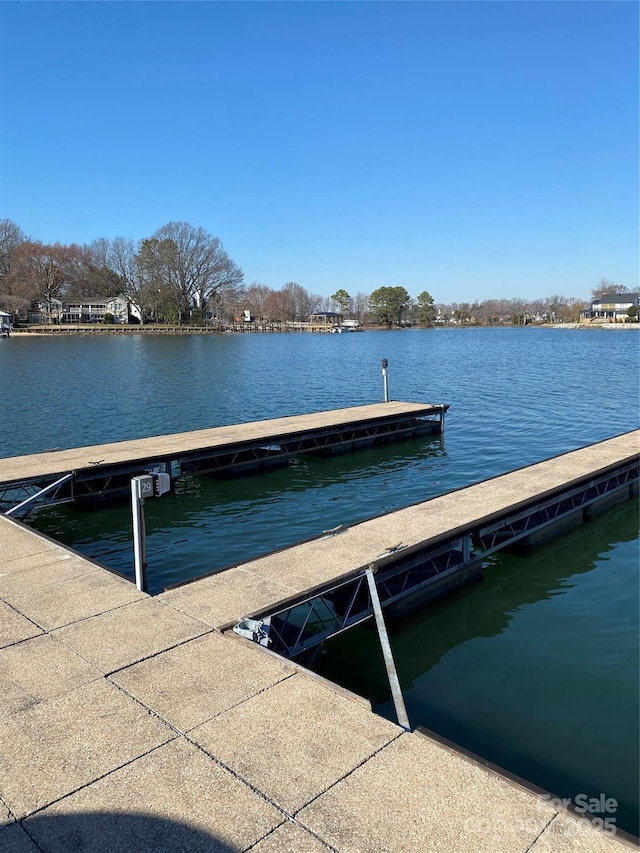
pixel 472 149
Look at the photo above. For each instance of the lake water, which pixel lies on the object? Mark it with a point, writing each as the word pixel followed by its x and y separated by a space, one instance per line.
pixel 536 668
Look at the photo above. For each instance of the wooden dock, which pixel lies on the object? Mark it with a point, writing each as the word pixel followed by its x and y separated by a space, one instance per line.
pixel 107 469
pixel 133 722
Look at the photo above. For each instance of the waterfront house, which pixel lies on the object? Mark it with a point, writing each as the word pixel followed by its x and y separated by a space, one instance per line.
pixel 45 310
pixel 80 310
pixel 5 324
pixel 95 310
pixel 612 307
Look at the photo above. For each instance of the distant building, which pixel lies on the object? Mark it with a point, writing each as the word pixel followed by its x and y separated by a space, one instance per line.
pixel 5 324
pixel 80 310
pixel 45 311
pixel 612 307
pixel 94 310
pixel 326 318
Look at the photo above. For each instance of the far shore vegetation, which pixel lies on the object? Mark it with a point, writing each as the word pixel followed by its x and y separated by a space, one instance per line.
pixel 182 276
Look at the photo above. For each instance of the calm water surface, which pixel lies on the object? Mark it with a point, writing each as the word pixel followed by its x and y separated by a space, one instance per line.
pixel 544 651
pixel 535 669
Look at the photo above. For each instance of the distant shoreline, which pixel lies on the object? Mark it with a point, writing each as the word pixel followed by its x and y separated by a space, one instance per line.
pixel 87 331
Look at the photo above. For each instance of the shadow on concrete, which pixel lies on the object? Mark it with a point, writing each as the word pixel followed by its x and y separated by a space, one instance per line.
pixel 108 832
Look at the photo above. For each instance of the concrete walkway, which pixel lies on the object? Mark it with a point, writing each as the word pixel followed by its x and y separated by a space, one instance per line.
pixel 132 723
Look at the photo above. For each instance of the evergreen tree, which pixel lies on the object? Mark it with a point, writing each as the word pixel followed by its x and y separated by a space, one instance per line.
pixel 426 309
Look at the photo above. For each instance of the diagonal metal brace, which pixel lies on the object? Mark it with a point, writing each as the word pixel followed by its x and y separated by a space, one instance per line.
pixel 26 504
pixel 392 674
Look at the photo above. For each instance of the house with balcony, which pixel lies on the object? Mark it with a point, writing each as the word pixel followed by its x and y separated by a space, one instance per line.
pixel 80 310
pixel 95 310
pixel 612 308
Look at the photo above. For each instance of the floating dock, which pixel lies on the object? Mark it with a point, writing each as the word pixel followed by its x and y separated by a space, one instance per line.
pixel 144 723
pixel 61 476
pixel 425 551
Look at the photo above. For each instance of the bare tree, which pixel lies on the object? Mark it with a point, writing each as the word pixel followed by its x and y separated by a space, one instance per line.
pixel 606 286
pixel 360 305
pixel 277 305
pixel 315 302
pixel 135 278
pixel 323 303
pixel 11 235
pixel 14 296
pixel 194 266
pixel 299 302
pixel 44 270
pixel 90 274
pixel 255 297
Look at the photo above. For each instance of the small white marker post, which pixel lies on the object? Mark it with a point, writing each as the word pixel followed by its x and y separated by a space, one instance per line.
pixel 385 364
pixel 141 488
pixel 144 486
pixel 394 683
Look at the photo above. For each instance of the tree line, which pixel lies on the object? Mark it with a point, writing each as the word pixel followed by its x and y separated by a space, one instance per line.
pixel 182 274
pixel 178 272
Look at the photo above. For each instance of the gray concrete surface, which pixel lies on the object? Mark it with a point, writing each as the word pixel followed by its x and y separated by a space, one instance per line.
pixel 196 681
pixel 131 723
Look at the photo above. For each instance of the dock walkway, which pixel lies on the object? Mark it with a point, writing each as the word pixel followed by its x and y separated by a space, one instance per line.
pixel 132 722
pixel 104 468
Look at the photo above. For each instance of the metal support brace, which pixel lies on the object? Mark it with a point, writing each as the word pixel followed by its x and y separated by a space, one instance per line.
pixel 394 683
pixel 24 504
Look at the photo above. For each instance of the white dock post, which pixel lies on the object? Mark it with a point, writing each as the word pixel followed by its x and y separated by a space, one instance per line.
pixel 385 364
pixel 140 486
pixel 144 486
pixel 394 683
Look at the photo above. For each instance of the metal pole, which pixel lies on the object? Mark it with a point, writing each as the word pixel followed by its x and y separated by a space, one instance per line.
pixel 396 691
pixel 385 364
pixel 137 515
